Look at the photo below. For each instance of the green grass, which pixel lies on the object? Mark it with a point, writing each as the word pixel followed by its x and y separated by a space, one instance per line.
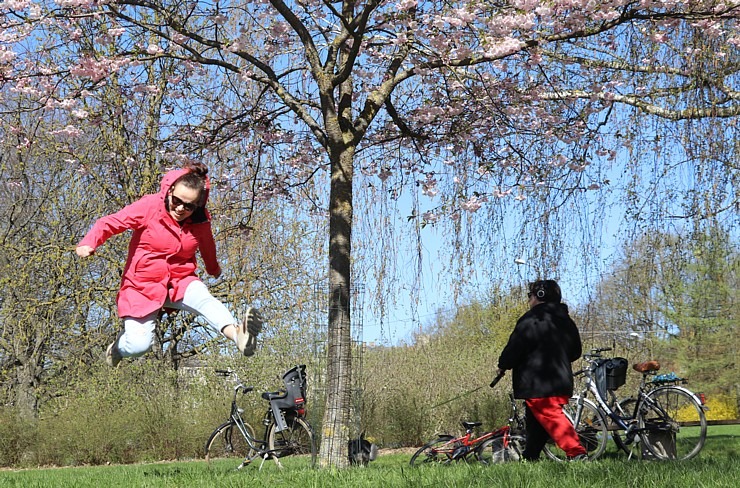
pixel 716 466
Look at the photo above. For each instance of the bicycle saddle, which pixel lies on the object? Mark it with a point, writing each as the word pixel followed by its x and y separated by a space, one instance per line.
pixel 647 366
pixel 471 425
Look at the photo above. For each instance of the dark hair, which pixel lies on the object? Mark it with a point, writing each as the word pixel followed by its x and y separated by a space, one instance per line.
pixel 194 179
pixel 546 291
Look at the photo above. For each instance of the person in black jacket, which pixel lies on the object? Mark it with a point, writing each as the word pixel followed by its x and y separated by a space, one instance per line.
pixel 540 351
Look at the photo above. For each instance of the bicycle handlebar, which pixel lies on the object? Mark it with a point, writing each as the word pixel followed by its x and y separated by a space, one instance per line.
pixel 596 353
pixel 496 380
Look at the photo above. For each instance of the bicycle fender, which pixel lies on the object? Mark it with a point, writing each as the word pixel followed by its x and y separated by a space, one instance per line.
pixel 693 395
pixel 445 436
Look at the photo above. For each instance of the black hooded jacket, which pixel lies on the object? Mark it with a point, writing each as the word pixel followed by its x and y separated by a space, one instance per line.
pixel 540 351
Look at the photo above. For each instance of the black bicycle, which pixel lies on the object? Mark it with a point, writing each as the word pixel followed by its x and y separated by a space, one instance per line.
pixel 663 421
pixel 287 431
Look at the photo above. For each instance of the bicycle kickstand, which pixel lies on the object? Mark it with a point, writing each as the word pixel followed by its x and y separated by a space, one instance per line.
pixel 267 455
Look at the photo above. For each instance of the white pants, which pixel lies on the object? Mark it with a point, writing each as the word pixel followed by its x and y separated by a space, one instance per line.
pixel 138 333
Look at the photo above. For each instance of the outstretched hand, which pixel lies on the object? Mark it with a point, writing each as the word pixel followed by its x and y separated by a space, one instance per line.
pixel 85 251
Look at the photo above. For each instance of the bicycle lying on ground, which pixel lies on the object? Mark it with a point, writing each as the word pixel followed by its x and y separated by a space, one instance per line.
pixel 664 421
pixel 499 445
pixel 287 432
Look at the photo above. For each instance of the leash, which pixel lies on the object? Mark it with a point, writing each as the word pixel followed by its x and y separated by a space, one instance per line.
pixel 493 383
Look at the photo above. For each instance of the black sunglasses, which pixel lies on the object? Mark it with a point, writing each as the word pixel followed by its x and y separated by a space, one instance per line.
pixel 176 202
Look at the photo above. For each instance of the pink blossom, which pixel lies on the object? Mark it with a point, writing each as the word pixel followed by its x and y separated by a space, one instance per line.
pixel 219 19
pixel 25 143
pixel 75 3
pixel 15 4
pixel 504 48
pixel 95 69
pixel 235 46
pixel 384 174
pixel 430 217
pixel 279 29
pixel 6 56
pixel 154 49
pixel 404 5
pixel 472 204
pixel 526 5
pixel 179 38
pixel 429 186
pixel 146 89
pixel 69 131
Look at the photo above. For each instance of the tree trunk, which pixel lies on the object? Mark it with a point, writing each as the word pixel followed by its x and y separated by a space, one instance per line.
pixel 335 427
pixel 24 391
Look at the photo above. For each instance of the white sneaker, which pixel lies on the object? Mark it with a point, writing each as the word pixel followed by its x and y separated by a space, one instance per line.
pixel 247 332
pixel 113 355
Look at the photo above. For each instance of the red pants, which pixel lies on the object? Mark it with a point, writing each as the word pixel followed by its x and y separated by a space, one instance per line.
pixel 545 419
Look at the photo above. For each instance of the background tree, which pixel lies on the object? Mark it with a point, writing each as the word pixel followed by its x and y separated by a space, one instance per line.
pixel 700 292
pixel 673 298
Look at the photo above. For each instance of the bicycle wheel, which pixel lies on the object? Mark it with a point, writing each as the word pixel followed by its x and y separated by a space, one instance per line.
pixel 438 451
pixel 591 429
pixel 227 441
pixel 672 423
pixel 501 449
pixel 626 409
pixel 297 440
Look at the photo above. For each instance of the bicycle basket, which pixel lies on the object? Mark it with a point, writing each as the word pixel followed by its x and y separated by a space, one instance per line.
pixel 295 388
pixel 610 374
pixel 616 373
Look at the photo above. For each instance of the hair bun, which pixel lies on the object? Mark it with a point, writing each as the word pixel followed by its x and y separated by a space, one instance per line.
pixel 198 168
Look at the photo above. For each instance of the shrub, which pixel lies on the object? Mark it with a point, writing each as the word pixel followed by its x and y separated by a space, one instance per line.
pixel 721 407
pixel 16 437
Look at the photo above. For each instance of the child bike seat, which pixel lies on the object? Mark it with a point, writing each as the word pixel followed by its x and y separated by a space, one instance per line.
pixel 274 395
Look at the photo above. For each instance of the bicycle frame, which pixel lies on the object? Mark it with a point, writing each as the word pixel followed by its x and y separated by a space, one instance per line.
pixel 236 418
pixel 590 386
pixel 625 423
pixel 460 447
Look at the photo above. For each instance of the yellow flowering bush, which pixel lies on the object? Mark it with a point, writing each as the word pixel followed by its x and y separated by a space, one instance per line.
pixel 721 407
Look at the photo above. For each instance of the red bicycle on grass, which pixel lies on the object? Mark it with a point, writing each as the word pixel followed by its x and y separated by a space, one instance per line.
pixel 497 446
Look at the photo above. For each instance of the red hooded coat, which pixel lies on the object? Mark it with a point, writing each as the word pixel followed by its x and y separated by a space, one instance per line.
pixel 161 255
